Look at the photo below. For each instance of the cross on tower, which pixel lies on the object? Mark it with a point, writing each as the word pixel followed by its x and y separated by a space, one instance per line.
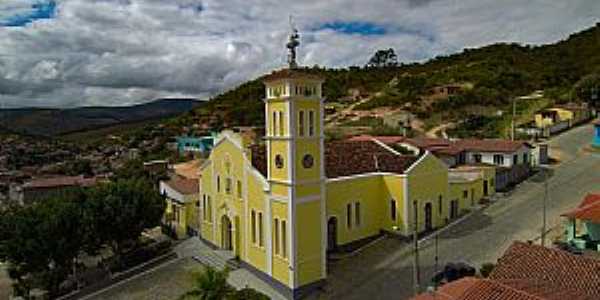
pixel 292 44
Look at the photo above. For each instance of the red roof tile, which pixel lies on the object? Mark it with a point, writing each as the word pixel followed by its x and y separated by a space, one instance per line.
pixel 563 271
pixel 291 74
pixel 471 288
pixel 183 185
pixel 491 145
pixel 588 209
pixel 346 158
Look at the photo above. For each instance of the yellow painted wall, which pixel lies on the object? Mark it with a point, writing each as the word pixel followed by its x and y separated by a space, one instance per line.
pixel 427 182
pixel 369 191
pixel 279 147
pixel 257 256
pixel 394 189
pixel 304 147
pixel 308 237
pixel 206 188
pixel 280 262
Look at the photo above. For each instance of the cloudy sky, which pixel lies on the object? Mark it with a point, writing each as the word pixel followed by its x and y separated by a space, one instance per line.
pixel 65 53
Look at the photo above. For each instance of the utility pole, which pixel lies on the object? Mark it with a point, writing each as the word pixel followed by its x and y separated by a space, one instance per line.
pixel 416 271
pixel 544 207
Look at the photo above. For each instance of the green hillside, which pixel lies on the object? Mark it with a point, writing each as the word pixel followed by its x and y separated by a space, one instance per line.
pixel 495 73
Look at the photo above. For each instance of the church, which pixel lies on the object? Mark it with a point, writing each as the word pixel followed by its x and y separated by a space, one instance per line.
pixel 282 205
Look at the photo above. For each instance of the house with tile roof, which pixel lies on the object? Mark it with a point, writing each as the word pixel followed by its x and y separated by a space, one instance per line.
pixel 38 189
pixel 280 206
pixel 182 205
pixel 528 272
pixel 582 226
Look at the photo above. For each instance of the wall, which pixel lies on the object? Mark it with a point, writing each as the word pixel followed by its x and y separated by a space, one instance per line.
pixel 369 191
pixel 596 140
pixel 427 182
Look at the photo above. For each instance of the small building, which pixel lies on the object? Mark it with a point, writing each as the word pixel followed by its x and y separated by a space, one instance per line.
pixel 596 138
pixel 201 145
pixel 43 188
pixel 468 186
pixel 181 215
pixel 511 158
pixel 582 226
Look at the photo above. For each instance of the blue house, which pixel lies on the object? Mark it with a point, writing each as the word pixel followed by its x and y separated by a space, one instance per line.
pixel 596 140
pixel 201 145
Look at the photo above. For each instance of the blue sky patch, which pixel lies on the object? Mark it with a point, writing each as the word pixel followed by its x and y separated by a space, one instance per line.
pixel 40 9
pixel 355 27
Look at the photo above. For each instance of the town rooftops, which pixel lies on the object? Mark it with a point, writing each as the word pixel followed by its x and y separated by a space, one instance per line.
pixel 60 181
pixel 471 288
pixel 576 276
pixel 291 74
pixel 347 158
pixel 449 147
pixel 588 209
pixel 528 272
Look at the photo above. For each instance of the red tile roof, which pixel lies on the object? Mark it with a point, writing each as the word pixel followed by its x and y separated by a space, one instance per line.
pixel 291 74
pixel 183 185
pixel 471 288
pixel 577 276
pixel 588 209
pixel 491 145
pixel 346 158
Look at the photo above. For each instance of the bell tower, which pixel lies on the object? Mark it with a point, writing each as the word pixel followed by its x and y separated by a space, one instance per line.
pixel 294 137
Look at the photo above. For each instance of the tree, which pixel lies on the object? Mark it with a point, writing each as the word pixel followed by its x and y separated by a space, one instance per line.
pixel 383 58
pixel 588 89
pixel 118 212
pixel 210 285
pixel 41 242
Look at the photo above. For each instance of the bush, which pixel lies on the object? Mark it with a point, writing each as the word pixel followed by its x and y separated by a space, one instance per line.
pixel 486 269
pixel 248 294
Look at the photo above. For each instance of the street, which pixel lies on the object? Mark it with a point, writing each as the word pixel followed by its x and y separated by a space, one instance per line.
pixel 385 271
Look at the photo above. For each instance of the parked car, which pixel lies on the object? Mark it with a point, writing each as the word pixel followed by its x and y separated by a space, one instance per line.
pixel 452 272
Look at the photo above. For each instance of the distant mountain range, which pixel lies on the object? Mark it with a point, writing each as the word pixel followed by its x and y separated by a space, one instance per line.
pixel 54 122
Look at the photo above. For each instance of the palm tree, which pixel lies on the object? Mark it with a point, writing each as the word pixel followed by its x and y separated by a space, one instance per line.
pixel 210 285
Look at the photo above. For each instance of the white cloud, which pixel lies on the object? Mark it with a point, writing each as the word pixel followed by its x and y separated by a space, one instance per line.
pixel 119 52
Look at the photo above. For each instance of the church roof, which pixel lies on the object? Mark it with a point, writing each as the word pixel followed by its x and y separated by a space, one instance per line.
pixel 291 74
pixel 347 158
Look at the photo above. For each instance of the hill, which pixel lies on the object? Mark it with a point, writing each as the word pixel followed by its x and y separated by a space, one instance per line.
pixel 53 122
pixel 494 75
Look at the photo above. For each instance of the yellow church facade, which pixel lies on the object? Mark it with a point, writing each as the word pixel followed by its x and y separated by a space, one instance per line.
pixel 281 206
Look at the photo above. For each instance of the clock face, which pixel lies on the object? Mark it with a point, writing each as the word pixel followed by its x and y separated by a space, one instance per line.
pixel 279 161
pixel 308 161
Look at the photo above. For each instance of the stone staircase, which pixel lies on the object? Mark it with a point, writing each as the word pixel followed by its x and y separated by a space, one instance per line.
pixel 218 259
